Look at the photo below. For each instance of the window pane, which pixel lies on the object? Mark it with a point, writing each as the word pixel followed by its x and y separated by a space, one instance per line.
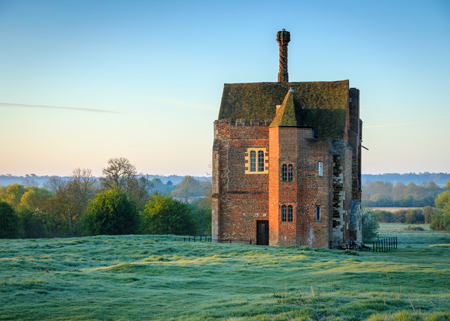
pixel 252 161
pixel 284 172
pixel 290 172
pixel 320 169
pixel 317 213
pixel 260 161
pixel 283 213
pixel 290 214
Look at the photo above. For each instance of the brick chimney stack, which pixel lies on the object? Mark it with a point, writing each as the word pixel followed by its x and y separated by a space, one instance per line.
pixel 283 38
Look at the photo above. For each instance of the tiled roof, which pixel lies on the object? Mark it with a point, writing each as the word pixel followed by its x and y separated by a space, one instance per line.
pixel 321 105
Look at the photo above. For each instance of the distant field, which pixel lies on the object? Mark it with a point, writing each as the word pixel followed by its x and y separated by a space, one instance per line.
pixel 164 278
pixel 394 209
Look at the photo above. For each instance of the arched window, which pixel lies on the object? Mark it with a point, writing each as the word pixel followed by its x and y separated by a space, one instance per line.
pixel 260 161
pixel 284 172
pixel 252 161
pixel 290 172
pixel 283 213
pixel 290 214
pixel 318 213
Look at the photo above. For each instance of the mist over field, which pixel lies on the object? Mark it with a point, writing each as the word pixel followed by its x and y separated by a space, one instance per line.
pixel 40 180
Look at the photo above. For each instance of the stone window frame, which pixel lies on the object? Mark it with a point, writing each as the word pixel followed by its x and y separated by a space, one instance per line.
pixel 247 158
pixel 283 213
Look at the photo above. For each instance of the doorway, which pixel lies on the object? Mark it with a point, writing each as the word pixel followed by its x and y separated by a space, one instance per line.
pixel 262 230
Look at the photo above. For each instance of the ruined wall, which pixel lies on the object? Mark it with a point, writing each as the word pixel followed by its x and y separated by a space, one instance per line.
pixel 342 192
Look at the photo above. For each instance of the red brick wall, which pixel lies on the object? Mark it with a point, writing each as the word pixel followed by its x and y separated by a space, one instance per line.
pixel 240 199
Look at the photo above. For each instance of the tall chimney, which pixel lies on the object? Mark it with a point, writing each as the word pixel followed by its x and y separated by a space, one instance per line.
pixel 283 38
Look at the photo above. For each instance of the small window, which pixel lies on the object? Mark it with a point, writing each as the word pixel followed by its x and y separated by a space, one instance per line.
pixel 252 161
pixel 283 213
pixel 284 172
pixel 317 213
pixel 320 169
pixel 260 161
pixel 290 174
pixel 290 214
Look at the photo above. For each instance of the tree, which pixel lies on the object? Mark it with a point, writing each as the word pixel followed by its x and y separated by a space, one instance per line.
pixel 71 198
pixel 12 194
pixel 165 215
pixel 111 213
pixel 35 198
pixel 427 213
pixel 10 224
pixel 441 219
pixel 443 200
pixel 370 225
pixel 188 187
pixel 121 174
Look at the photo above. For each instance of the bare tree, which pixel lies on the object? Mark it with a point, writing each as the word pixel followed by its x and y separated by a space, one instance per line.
pixel 121 174
pixel 72 196
pixel 83 187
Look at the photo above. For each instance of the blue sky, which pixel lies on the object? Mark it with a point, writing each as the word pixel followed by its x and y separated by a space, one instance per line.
pixel 143 79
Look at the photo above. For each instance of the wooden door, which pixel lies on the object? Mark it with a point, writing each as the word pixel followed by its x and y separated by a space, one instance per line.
pixel 262 232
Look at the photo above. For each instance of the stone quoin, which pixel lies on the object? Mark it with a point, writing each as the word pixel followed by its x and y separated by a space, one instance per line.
pixel 287 162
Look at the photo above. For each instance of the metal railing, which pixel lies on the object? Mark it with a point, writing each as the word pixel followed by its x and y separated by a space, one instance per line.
pixel 385 244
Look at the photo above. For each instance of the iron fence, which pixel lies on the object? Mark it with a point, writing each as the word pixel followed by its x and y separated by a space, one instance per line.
pixel 385 244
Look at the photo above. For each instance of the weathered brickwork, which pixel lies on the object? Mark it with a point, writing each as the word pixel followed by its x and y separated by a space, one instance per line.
pixel 304 161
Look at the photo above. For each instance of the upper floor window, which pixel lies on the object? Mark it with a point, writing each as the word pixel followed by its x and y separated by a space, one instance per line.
pixel 261 163
pixel 256 160
pixel 283 213
pixel 318 213
pixel 252 161
pixel 290 172
pixel 284 172
pixel 290 213
pixel 320 168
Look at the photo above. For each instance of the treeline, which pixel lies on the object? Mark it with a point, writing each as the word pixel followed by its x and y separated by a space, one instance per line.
pixel 438 217
pixel 439 178
pixel 386 194
pixel 410 216
pixel 120 202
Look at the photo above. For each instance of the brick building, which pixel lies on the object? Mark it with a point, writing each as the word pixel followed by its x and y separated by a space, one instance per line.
pixel 287 162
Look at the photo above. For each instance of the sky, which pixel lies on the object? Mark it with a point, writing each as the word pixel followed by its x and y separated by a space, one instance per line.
pixel 85 81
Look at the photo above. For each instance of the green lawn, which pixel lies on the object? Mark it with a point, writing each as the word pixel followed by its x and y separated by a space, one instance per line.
pixel 162 277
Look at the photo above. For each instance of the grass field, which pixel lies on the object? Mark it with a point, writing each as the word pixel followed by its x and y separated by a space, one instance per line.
pixel 162 277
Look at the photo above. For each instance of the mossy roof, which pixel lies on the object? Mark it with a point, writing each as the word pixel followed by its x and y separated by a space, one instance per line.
pixel 287 115
pixel 320 105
